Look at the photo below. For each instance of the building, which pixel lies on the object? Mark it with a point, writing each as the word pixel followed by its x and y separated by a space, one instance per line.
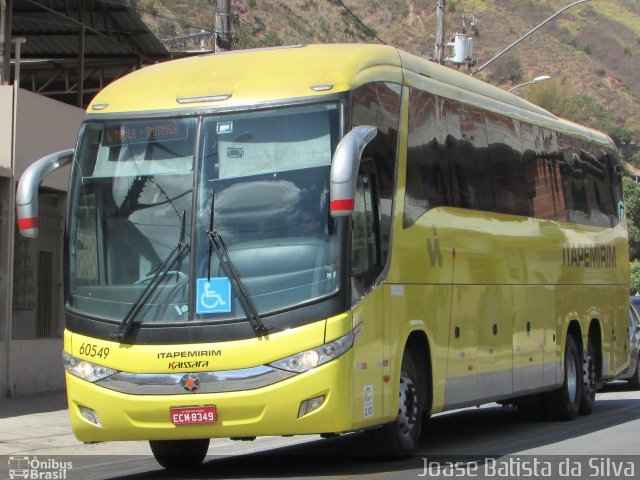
pixel 72 49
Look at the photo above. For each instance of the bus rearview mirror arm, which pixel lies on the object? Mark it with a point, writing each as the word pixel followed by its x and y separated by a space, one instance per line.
pixel 27 193
pixel 344 169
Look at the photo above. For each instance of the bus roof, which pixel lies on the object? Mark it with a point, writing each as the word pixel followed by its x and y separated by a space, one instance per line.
pixel 250 77
pixel 244 78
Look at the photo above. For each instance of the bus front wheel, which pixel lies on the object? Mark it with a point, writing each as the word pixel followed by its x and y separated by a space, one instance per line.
pixel 564 403
pixel 401 437
pixel 178 454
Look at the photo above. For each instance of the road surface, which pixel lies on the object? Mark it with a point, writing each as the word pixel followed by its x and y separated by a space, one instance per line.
pixel 486 442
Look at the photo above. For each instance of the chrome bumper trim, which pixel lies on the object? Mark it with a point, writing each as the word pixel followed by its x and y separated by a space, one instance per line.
pixel 209 382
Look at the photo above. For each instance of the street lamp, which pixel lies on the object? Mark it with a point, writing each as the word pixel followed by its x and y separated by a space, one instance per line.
pixel 542 78
pixel 526 35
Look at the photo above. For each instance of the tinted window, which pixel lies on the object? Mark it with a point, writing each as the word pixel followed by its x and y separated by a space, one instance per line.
pixel 378 104
pixel 428 182
pixel 543 178
pixel 467 143
pixel 509 174
pixel 464 157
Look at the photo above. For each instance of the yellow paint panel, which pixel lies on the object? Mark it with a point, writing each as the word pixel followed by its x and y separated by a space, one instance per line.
pixel 211 356
pixel 369 367
pixel 249 77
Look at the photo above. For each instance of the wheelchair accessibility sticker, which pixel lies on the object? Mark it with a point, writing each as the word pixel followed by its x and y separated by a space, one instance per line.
pixel 213 295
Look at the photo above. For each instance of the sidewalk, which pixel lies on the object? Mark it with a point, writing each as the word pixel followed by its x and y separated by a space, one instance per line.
pixel 39 425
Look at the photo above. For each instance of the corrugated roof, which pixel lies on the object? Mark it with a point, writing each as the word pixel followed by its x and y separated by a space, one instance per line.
pixel 116 41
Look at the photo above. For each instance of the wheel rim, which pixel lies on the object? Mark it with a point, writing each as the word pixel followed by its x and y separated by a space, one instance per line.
pixel 572 381
pixel 408 408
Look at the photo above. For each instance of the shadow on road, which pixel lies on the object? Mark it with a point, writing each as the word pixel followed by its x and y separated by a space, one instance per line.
pixel 39 403
pixel 464 435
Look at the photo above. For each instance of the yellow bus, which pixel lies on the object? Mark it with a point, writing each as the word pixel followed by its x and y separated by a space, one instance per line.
pixel 330 238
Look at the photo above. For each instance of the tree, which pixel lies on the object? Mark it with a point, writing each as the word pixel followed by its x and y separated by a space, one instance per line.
pixel 634 283
pixel 632 211
pixel 620 135
pixel 552 95
pixel 507 70
pixel 560 98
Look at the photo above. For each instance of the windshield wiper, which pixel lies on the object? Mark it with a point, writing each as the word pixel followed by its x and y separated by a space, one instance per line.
pixel 216 243
pixel 176 255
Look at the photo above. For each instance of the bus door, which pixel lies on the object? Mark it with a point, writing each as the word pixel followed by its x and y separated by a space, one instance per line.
pixel 369 302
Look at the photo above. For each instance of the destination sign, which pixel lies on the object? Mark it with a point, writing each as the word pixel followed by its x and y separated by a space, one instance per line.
pixel 143 132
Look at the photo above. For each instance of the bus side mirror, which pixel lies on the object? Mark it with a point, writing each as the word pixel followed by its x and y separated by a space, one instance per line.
pixel 27 194
pixel 344 169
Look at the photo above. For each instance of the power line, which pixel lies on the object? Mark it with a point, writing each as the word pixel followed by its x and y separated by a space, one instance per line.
pixel 184 23
pixel 196 5
pixel 370 30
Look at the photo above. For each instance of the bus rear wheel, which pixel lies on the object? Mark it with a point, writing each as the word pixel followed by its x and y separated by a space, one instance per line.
pixel 589 380
pixel 401 437
pixel 634 381
pixel 178 454
pixel 564 403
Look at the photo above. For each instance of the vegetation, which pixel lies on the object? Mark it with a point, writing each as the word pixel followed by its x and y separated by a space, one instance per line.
pixel 552 95
pixel 632 210
pixel 635 160
pixel 620 135
pixel 560 98
pixel 591 44
pixel 635 277
pixel 508 69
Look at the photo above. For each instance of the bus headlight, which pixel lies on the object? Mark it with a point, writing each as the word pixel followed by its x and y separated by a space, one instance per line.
pixel 85 370
pixel 303 361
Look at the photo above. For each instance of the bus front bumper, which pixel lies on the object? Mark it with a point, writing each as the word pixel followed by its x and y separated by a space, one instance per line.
pixel 271 410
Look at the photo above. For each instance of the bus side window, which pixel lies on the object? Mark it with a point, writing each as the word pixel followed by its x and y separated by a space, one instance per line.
pixel 365 244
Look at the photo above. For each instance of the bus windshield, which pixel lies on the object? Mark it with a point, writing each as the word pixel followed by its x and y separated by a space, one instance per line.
pixel 266 175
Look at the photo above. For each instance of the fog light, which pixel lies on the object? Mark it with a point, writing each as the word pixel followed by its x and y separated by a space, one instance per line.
pixel 89 415
pixel 309 405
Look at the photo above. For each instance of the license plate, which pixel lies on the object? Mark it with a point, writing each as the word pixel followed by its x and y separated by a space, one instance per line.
pixel 193 415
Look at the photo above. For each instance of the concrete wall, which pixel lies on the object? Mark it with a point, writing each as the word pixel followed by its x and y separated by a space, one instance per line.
pixel 43 126
pixel 35 366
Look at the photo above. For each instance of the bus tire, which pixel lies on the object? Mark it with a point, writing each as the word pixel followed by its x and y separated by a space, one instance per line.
pixel 589 380
pixel 634 381
pixel 400 438
pixel 179 454
pixel 564 403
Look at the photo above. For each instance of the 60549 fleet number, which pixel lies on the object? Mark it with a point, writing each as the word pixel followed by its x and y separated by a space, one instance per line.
pixel 93 351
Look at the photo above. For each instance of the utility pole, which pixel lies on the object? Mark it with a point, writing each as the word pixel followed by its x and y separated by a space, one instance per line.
pixel 439 51
pixel 223 26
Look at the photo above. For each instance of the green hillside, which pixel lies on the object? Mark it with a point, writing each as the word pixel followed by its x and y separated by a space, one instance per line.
pixel 592 51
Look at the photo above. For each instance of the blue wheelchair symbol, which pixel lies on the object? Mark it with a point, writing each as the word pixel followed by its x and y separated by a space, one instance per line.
pixel 213 295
